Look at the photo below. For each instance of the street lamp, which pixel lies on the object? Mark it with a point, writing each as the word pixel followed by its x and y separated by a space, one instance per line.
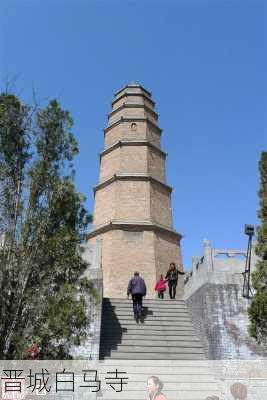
pixel 249 231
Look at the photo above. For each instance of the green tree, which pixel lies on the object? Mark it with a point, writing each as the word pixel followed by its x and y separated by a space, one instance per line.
pixel 258 308
pixel 44 293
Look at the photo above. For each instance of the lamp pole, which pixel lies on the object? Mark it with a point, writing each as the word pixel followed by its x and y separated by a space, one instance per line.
pixel 249 231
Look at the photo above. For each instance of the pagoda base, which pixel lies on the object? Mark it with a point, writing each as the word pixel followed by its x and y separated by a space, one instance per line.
pixel 127 248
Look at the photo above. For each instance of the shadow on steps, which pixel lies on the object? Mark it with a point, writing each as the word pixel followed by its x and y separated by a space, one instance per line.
pixel 111 329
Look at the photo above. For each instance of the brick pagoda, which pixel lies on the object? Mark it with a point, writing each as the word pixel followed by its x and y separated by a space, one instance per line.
pixel 132 213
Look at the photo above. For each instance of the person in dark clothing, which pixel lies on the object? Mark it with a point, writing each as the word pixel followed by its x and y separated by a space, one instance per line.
pixel 172 276
pixel 137 288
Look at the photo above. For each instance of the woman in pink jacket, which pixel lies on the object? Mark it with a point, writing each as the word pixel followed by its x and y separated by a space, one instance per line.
pixel 154 388
pixel 160 287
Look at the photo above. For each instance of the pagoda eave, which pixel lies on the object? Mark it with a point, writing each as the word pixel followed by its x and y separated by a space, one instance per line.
pixel 122 120
pixel 134 94
pixel 133 226
pixel 131 177
pixel 125 105
pixel 134 86
pixel 121 143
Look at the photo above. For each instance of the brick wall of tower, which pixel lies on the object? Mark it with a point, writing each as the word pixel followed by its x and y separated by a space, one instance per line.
pixel 132 201
pixel 125 159
pixel 160 205
pixel 137 251
pixel 153 136
pixel 130 159
pixel 123 253
pixel 133 159
pixel 105 205
pixel 127 113
pixel 156 165
pixel 125 131
pixel 113 136
pixel 110 164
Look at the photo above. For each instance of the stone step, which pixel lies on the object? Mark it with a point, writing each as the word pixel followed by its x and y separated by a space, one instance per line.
pixel 174 378
pixel 153 342
pixel 149 300
pixel 147 336
pixel 149 333
pixel 169 394
pixel 179 365
pixel 153 356
pixel 119 318
pixel 162 305
pixel 147 310
pixel 164 367
pixel 163 329
pixel 159 349
pixel 154 302
pixel 124 338
pixel 170 386
pixel 169 370
pixel 153 322
pixel 147 305
pixel 147 318
pixel 119 327
pixel 148 313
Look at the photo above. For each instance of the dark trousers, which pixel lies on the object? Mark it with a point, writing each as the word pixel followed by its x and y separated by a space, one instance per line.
pixel 161 295
pixel 137 304
pixel 172 289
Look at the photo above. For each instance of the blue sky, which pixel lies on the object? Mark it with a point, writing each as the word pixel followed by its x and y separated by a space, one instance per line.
pixel 204 62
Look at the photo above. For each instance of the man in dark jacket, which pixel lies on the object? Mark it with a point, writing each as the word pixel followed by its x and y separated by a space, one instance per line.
pixel 137 288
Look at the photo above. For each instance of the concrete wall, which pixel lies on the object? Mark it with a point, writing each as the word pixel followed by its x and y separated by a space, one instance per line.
pixel 219 314
pixel 214 294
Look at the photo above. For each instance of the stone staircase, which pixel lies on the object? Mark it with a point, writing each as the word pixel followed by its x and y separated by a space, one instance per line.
pixel 165 332
pixel 182 379
pixel 164 344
